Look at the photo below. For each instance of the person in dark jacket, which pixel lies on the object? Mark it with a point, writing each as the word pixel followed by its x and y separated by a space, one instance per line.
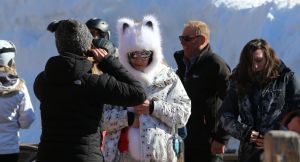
pixel 262 90
pixel 99 28
pixel 100 31
pixel 72 97
pixel 204 75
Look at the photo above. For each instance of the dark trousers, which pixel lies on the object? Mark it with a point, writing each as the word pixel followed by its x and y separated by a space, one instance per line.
pixel 9 157
pixel 196 155
pixel 199 153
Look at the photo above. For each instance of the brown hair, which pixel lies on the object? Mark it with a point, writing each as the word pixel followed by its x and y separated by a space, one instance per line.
pixel 243 74
pixel 201 28
pixel 289 116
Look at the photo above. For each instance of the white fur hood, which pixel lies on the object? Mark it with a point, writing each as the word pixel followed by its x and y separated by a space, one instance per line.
pixel 136 36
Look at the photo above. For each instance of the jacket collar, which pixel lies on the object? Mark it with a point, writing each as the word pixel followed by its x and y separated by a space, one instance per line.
pixel 179 55
pixel 66 68
pixel 283 68
pixel 203 53
pixel 9 83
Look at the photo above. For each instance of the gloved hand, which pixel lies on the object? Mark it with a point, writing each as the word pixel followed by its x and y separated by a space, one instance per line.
pixel 105 44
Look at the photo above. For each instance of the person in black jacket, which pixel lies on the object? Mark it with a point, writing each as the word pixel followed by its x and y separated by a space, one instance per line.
pixel 100 31
pixel 72 97
pixel 262 90
pixel 204 75
pixel 99 28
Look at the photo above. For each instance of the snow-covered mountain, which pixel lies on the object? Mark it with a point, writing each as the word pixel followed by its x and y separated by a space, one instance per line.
pixel 232 23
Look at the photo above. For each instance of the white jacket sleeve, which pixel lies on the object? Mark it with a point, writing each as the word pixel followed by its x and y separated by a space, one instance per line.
pixel 26 112
pixel 114 118
pixel 177 107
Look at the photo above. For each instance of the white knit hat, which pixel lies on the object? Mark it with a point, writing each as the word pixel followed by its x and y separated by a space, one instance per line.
pixel 7 53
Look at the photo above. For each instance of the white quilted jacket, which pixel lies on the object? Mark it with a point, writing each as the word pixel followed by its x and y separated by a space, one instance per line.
pixel 172 107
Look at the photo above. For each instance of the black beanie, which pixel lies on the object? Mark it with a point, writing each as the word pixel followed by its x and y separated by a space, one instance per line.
pixel 72 36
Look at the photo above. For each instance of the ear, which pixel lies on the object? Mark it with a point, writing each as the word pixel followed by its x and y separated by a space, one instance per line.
pixel 149 24
pixel 203 40
pixel 53 26
pixel 125 26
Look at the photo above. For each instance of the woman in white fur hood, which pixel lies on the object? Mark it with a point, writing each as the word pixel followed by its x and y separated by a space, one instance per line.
pixel 143 133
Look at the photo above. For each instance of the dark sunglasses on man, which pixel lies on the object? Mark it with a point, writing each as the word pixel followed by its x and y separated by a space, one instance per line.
pixel 187 38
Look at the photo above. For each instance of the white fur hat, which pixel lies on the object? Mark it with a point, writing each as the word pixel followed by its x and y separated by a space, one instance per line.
pixel 7 53
pixel 137 36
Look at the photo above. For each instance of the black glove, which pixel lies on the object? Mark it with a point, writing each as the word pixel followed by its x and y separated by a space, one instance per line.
pixel 105 44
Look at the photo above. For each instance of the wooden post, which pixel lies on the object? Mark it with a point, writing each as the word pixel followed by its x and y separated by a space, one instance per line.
pixel 281 146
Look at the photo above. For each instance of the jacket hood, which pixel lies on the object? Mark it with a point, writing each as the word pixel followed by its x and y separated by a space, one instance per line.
pixel 66 68
pixel 137 36
pixel 178 55
pixel 9 83
pixel 283 68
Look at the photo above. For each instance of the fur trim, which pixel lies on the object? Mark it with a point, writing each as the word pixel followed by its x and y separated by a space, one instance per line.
pixel 136 36
pixel 14 85
pixel 134 143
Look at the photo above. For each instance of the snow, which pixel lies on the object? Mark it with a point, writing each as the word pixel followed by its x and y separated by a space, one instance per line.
pixel 233 23
pixel 247 4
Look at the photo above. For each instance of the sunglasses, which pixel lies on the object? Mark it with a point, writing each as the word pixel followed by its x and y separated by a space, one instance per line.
pixel 144 55
pixel 187 38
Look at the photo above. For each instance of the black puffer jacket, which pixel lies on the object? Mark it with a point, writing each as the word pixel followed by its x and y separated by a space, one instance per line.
pixel 274 100
pixel 71 105
pixel 206 85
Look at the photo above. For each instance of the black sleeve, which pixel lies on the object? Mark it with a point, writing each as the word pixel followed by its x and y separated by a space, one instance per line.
pixel 116 86
pixel 222 82
pixel 37 85
pixel 229 112
pixel 293 93
pixel 222 79
pixel 113 67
